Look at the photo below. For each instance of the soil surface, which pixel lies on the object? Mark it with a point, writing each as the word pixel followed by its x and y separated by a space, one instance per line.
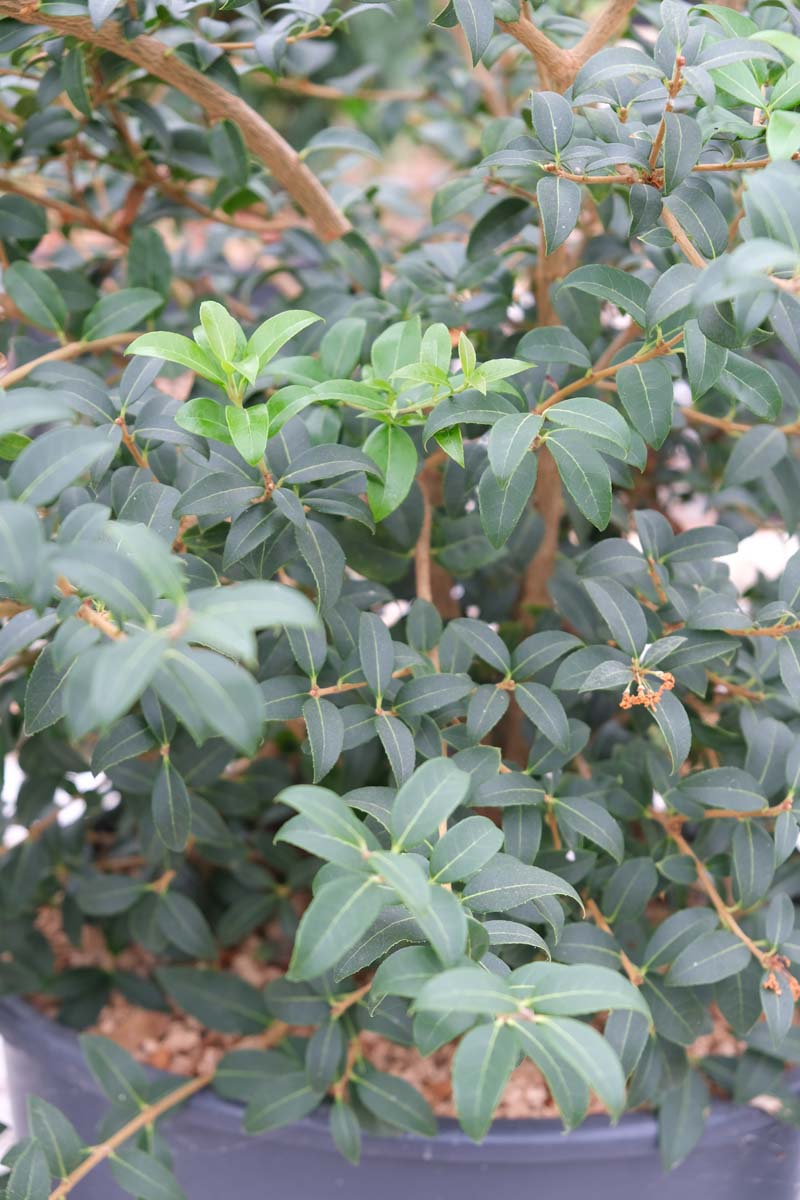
pixel 173 1041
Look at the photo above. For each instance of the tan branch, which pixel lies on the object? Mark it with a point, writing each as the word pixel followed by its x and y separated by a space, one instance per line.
pixel 69 213
pixel 66 354
pixel 608 24
pixel 35 831
pixel 672 826
pixel 631 970
pixel 264 142
pixel 152 1112
pixel 596 373
pixel 681 237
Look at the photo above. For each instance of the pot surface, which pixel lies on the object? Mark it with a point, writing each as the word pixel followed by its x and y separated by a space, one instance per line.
pixel 743 1155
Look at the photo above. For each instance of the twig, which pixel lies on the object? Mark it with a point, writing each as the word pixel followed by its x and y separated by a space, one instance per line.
pixel 631 970
pixel 147 1116
pixel 151 1113
pixel 66 353
pixel 324 91
pixel 127 440
pixel 674 87
pixel 35 831
pixel 304 35
pixel 736 689
pixel 592 376
pixel 773 964
pixel 70 213
pixel 775 631
pixel 341 1006
pixel 771 812
pixel 682 238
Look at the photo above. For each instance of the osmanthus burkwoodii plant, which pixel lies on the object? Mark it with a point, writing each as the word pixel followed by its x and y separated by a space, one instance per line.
pixel 391 641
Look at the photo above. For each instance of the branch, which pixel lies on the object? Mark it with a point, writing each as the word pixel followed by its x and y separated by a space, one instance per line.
pixel 35 831
pixel 66 353
pixel 682 238
pixel 557 66
pixel 672 827
pixel 91 615
pixel 608 23
pixel 324 91
pixel 261 139
pixel 772 631
pixel 341 1006
pixel 69 213
pixel 675 85
pixel 151 1113
pixel 146 1117
pixel 127 440
pixel 598 372
pixel 631 970
pixel 422 550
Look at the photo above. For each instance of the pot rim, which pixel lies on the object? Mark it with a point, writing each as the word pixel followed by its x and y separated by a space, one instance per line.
pixel 533 1139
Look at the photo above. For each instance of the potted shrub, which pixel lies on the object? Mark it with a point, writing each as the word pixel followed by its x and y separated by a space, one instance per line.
pixel 395 739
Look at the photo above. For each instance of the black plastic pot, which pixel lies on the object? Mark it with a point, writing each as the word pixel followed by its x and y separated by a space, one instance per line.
pixel 744 1154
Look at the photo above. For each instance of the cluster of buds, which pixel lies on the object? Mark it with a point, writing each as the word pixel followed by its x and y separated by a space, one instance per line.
pixel 779 965
pixel 645 695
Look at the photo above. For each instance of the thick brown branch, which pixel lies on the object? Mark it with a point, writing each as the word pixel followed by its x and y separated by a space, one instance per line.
pixel 554 64
pixel 264 142
pixel 608 23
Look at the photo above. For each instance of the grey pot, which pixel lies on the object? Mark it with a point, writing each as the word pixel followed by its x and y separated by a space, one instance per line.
pixel 743 1155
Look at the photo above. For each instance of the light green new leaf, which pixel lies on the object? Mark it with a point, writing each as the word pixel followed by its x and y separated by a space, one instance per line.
pixel 393 451
pixel 175 348
pixel 249 431
pixel 275 332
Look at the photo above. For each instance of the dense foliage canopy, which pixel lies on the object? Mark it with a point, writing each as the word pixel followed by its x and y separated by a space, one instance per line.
pixel 366 494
